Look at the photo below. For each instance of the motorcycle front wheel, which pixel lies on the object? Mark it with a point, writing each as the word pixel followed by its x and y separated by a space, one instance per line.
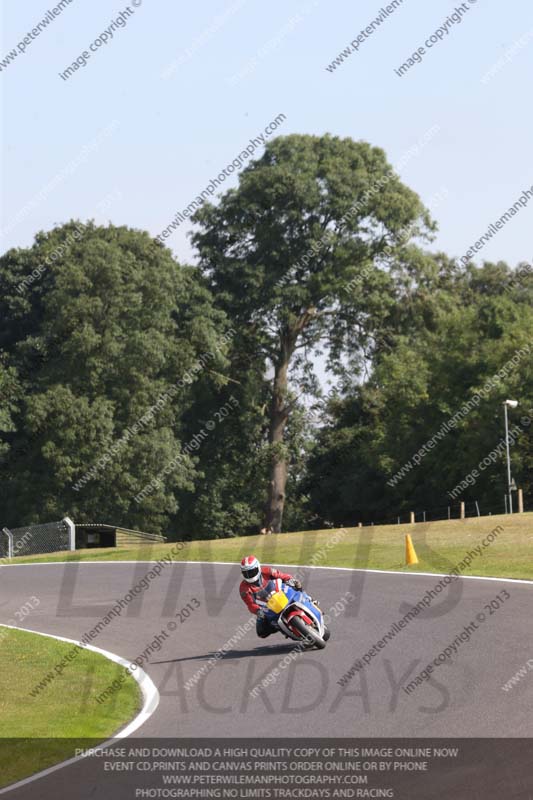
pixel 307 632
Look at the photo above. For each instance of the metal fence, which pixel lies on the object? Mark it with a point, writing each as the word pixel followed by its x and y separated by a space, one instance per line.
pixel 33 539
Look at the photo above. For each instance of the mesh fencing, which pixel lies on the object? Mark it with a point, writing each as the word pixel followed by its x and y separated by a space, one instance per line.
pixel 33 539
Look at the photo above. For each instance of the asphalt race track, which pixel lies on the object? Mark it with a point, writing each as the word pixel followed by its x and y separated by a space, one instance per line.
pixel 463 697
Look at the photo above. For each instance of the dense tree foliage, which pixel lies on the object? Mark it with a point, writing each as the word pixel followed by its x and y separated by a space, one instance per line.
pixel 481 325
pixel 101 340
pixel 193 400
pixel 9 390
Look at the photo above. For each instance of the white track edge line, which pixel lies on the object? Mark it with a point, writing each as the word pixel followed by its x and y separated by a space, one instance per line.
pixel 302 566
pixel 148 688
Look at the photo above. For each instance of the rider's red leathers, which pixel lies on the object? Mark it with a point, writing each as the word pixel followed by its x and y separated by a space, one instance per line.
pixel 249 590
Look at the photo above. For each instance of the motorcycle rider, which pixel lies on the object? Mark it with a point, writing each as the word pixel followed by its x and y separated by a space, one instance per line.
pixel 255 577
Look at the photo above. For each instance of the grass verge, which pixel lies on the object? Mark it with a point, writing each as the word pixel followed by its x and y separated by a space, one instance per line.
pixel 439 546
pixel 40 731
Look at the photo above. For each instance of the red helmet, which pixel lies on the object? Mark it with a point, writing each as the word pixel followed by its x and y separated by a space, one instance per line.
pixel 251 569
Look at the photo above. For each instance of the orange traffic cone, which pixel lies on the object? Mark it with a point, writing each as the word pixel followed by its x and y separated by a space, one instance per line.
pixel 410 553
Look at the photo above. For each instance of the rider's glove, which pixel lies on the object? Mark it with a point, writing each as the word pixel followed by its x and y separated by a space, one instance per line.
pixel 295 583
pixel 261 613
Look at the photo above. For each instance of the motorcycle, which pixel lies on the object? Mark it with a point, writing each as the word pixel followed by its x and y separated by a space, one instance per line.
pixel 295 613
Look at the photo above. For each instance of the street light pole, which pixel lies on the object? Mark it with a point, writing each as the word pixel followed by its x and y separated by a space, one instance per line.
pixel 506 404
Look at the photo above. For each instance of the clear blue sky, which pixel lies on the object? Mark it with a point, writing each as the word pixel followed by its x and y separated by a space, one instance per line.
pixel 178 91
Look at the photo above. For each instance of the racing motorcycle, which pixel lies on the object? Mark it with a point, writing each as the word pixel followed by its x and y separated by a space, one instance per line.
pixel 295 613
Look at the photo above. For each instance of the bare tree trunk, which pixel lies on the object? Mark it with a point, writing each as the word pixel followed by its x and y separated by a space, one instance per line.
pixel 279 413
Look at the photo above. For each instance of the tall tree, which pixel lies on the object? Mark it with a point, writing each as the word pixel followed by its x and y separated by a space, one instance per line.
pixel 105 330
pixel 305 254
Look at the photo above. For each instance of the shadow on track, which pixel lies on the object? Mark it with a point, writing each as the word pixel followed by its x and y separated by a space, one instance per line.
pixel 257 651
